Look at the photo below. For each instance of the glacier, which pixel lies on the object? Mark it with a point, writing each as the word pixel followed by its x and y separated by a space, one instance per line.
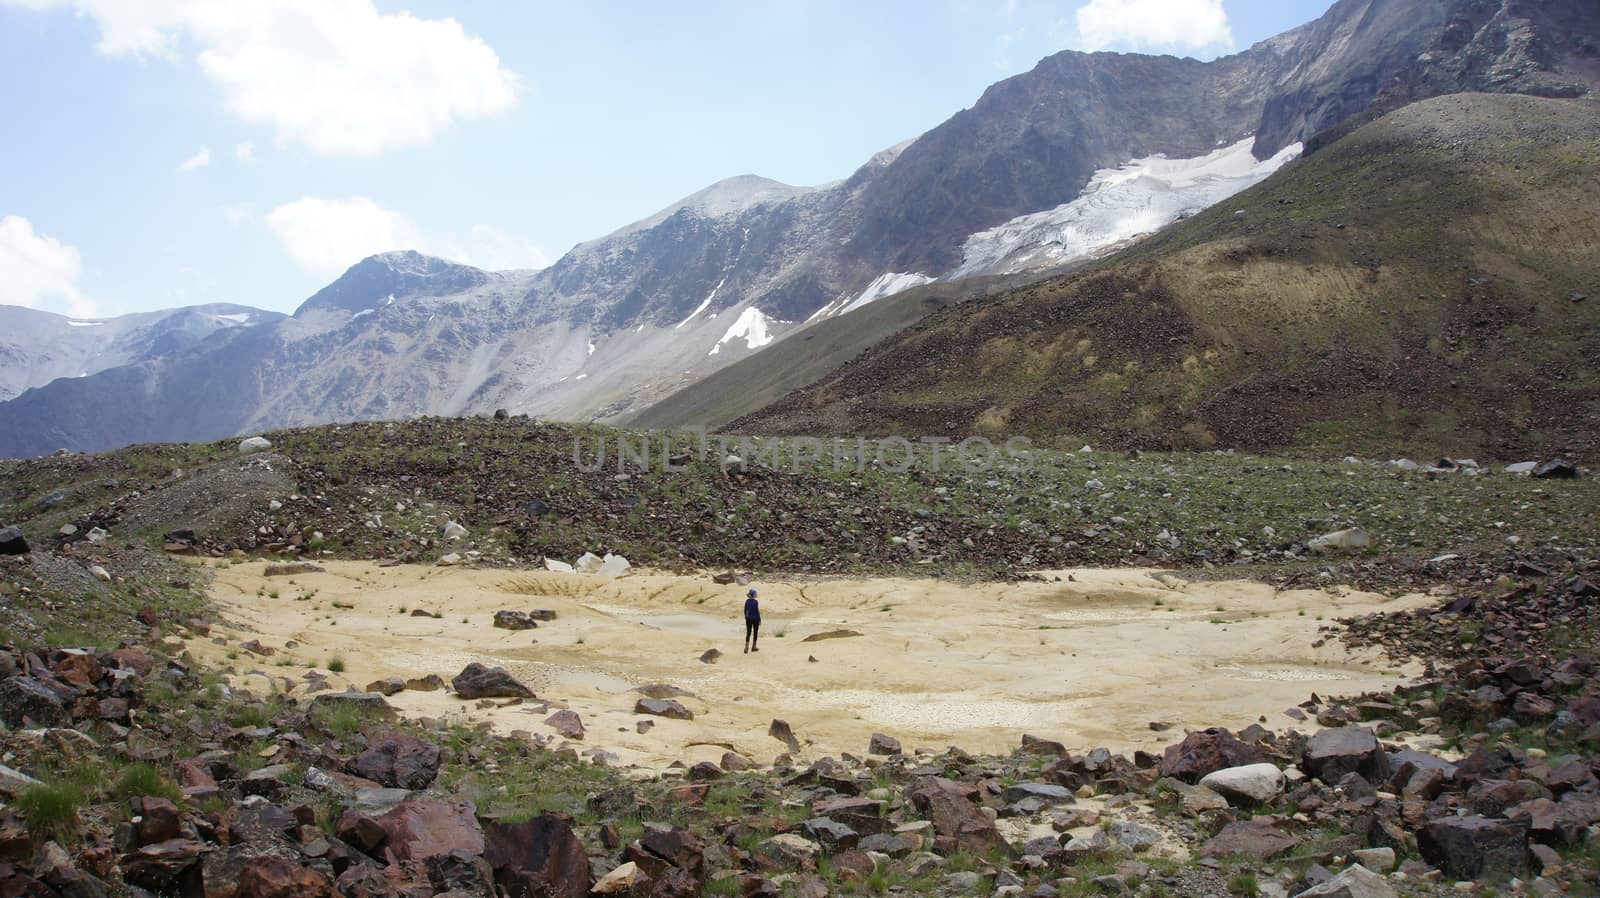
pixel 752 326
pixel 1118 204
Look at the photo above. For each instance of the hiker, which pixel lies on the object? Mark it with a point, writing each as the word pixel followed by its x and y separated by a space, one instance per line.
pixel 752 622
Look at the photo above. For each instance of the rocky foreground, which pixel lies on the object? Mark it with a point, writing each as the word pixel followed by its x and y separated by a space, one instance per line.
pixel 132 771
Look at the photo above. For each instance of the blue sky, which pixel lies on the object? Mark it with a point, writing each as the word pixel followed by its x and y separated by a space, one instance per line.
pixel 182 151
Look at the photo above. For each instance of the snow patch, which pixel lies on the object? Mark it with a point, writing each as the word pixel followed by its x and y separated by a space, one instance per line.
pixel 591 347
pixel 85 323
pixel 704 302
pixel 580 377
pixel 885 285
pixel 751 327
pixel 235 317
pixel 362 313
pixel 1137 198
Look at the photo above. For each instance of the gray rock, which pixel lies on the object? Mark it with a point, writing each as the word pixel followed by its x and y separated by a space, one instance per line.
pixel 1048 792
pixel 1555 469
pixel 1476 847
pixel 1353 882
pixel 963 883
pixel 366 702
pixel 830 833
pixel 252 445
pixel 883 745
pixel 514 620
pixel 662 708
pixel 1381 859
pixel 24 699
pixel 1245 786
pixel 477 680
pixel 12 542
pixel 1333 753
pixel 1133 836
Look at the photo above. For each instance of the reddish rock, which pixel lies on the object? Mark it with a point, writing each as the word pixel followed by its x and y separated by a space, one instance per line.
pixel 1259 838
pixel 542 857
pixel 567 723
pixel 417 830
pixel 276 877
pixel 155 820
pixel 948 805
pixel 1207 751
pixel 167 868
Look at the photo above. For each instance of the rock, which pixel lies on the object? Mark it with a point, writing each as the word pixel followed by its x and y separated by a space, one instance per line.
pixel 662 708
pixel 542 857
pixel 1522 467
pixel 448 560
pixel 1259 838
pixel 399 761
pixel 1246 786
pixel 290 569
pixel 429 683
pixel 674 859
pixel 1353 882
pixel 831 634
pixel 167 868
pixel 614 566
pixel 26 701
pixel 948 805
pixel 417 830
pixel 830 833
pixel 268 876
pixel 624 879
pixel 1475 847
pixel 1047 793
pixel 1332 753
pixel 12 542
pixel 883 745
pixel 451 530
pixel 734 762
pixel 786 851
pixel 1133 836
pixel 1381 859
pixel 1207 751
pixel 1555 469
pixel 387 686
pixel 514 620
pixel 566 723
pixel 100 573
pixel 1353 539
pixel 479 681
pixel 963 883
pixel 155 820
pixel 588 563
pixel 710 656
pixel 252 445
pixel 364 702
pixel 557 566
pixel 781 731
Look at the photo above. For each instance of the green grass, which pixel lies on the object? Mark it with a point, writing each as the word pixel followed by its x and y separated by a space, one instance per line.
pixel 144 781
pixel 51 809
pixel 336 664
pixel 1244 883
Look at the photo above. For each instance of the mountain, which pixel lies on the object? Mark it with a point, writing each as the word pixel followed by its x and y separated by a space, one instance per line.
pixel 38 347
pixel 620 322
pixel 1426 282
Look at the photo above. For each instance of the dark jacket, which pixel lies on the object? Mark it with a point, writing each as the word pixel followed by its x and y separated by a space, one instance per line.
pixel 752 609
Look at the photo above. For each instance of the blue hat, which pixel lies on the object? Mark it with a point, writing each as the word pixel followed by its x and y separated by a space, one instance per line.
pixel 751 593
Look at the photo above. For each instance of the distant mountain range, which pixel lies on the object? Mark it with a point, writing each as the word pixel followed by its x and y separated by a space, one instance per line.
pixel 1068 161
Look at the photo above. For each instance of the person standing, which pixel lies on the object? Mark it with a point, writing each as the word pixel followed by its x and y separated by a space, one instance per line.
pixel 752 622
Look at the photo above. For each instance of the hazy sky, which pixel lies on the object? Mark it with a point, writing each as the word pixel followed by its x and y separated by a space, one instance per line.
pixel 169 152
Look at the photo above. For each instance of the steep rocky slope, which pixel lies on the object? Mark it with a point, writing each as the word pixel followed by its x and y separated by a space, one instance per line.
pixel 1424 283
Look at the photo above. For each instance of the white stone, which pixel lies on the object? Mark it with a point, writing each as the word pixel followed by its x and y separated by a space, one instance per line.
pixel 452 530
pixel 100 573
pixel 448 560
pixel 1249 784
pixel 1522 467
pixel 1381 859
pixel 560 567
pixel 588 563
pixel 98 536
pixel 614 566
pixel 1354 882
pixel 254 444
pixel 1353 539
pixel 620 880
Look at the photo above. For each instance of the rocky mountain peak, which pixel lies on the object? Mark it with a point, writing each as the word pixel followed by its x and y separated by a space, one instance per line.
pixel 399 275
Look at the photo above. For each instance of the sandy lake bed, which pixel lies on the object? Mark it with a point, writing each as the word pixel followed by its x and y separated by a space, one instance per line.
pixel 1089 660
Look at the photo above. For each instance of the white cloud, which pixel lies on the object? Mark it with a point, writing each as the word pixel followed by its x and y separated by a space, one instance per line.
pixel 335 76
pixel 324 237
pixel 245 153
pixel 200 159
pixel 37 270
pixel 1153 24
pixel 495 250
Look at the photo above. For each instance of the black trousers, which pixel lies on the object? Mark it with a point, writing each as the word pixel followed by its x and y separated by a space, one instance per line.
pixel 752 629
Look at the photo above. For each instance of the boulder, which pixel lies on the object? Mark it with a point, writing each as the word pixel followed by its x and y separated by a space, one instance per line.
pixel 417 830
pixel 514 620
pixel 477 680
pixel 557 566
pixel 588 563
pixel 567 723
pixel 12 542
pixel 954 816
pixel 1355 882
pixel 542 857
pixel 1476 847
pixel 364 702
pixel 387 686
pixel 883 745
pixel 614 566
pixel 624 879
pixel 1258 838
pixel 155 820
pixel 1352 539
pixel 662 708
pixel 252 445
pixel 166 868
pixel 399 761
pixel 27 701
pixel 673 858
pixel 429 683
pixel 452 530
pixel 781 731
pixel 269 876
pixel 1207 751
pixel 1246 786
pixel 1332 753
pixel 1555 469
